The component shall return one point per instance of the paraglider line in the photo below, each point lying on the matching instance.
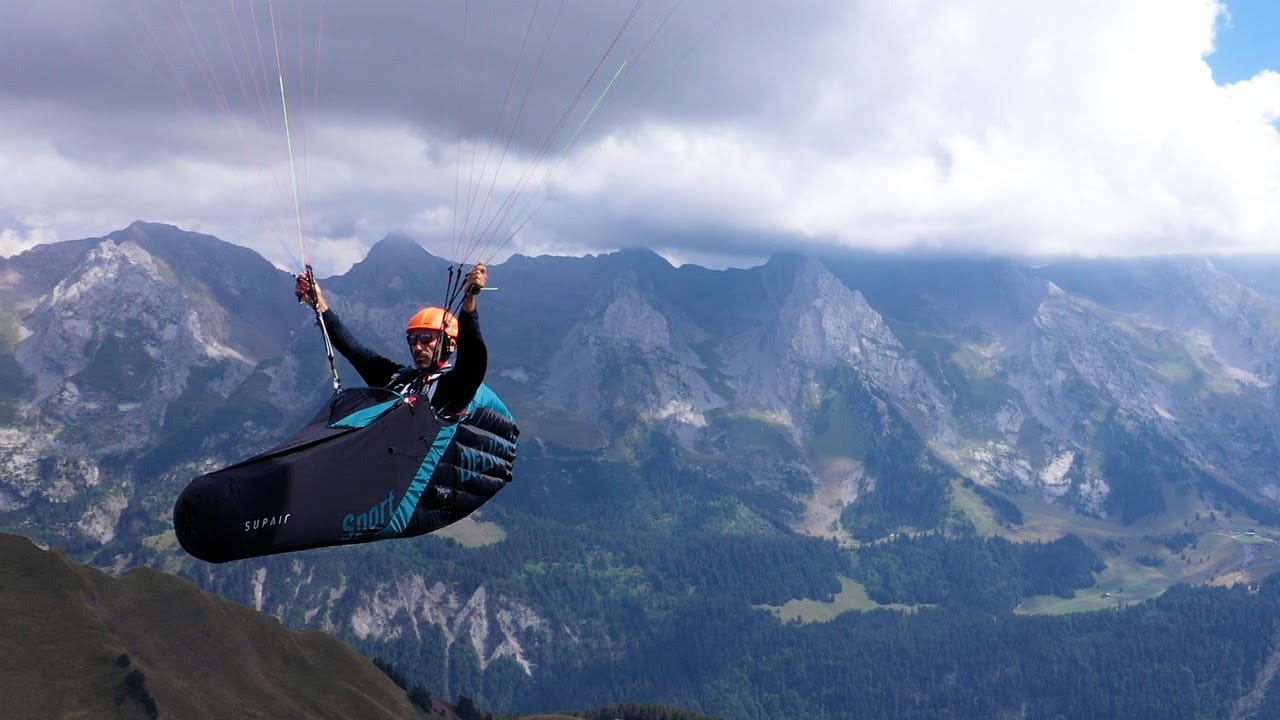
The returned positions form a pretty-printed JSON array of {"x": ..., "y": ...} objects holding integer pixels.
[{"x": 288, "y": 138}]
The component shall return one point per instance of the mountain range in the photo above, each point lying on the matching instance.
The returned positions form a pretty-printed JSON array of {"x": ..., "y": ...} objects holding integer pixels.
[{"x": 1090, "y": 432}]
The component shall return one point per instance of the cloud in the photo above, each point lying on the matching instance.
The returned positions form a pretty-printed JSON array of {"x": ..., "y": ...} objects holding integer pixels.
[
  {"x": 1090, "y": 128},
  {"x": 1029, "y": 128}
]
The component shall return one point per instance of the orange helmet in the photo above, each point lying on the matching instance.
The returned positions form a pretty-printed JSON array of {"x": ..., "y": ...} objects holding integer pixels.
[{"x": 432, "y": 318}]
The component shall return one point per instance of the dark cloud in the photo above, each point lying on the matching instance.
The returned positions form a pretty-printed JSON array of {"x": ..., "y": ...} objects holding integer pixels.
[{"x": 528, "y": 70}]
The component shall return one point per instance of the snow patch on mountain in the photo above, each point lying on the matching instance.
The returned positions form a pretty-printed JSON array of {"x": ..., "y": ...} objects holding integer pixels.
[
  {"x": 994, "y": 463},
  {"x": 1053, "y": 476}
]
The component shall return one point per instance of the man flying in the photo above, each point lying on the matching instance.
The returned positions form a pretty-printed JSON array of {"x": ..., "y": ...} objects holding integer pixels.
[{"x": 449, "y": 355}]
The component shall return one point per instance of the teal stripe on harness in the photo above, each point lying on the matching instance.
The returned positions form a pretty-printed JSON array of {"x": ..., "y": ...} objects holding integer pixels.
[
  {"x": 421, "y": 479},
  {"x": 403, "y": 513}
]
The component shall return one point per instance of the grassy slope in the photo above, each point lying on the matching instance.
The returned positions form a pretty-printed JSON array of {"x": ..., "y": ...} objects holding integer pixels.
[
  {"x": 471, "y": 533},
  {"x": 851, "y": 598},
  {"x": 1217, "y": 557},
  {"x": 66, "y": 627}
]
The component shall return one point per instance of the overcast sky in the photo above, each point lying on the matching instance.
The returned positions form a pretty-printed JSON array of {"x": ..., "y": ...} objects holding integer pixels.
[{"x": 713, "y": 131}]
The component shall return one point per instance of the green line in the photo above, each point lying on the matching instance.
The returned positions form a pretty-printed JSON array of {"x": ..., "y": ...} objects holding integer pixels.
[
  {"x": 288, "y": 136},
  {"x": 592, "y": 111}
]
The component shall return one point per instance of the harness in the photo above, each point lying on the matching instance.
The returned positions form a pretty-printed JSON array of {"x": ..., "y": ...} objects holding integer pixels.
[{"x": 412, "y": 384}]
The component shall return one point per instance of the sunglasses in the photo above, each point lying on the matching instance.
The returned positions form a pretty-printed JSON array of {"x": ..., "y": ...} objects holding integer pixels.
[{"x": 425, "y": 338}]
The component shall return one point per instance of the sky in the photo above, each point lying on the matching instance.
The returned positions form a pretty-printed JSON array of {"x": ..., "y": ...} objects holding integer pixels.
[{"x": 712, "y": 131}]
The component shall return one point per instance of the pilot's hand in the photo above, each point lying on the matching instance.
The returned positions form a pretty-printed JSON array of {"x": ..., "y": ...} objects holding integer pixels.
[
  {"x": 476, "y": 278},
  {"x": 307, "y": 290}
]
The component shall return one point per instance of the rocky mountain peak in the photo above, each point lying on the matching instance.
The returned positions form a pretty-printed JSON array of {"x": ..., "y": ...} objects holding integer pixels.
[
  {"x": 121, "y": 311},
  {"x": 821, "y": 324},
  {"x": 626, "y": 357}
]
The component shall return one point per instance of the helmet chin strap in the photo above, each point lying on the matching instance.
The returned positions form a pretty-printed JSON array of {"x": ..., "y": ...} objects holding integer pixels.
[{"x": 444, "y": 350}]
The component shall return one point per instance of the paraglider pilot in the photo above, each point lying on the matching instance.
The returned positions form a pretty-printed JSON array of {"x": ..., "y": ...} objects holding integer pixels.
[
  {"x": 372, "y": 464},
  {"x": 449, "y": 355}
]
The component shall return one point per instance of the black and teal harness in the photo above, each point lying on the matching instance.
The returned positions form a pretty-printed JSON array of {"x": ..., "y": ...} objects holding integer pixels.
[{"x": 372, "y": 465}]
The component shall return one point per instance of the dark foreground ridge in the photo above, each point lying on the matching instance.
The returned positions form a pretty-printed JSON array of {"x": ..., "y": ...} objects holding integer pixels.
[{"x": 80, "y": 643}]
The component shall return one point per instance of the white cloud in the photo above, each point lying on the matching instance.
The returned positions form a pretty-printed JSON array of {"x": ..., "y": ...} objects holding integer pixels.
[
  {"x": 1088, "y": 127},
  {"x": 1016, "y": 127}
]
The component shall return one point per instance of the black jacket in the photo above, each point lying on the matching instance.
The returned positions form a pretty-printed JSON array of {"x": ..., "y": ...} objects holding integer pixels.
[{"x": 450, "y": 391}]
